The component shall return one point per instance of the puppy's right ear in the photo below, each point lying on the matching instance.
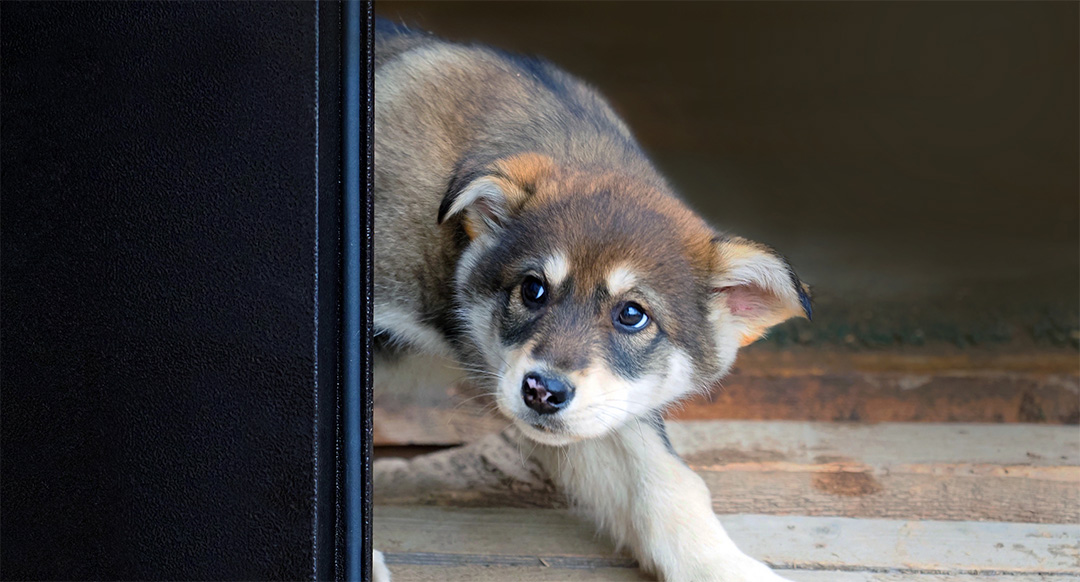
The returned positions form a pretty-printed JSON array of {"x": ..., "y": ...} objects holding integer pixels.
[{"x": 488, "y": 199}]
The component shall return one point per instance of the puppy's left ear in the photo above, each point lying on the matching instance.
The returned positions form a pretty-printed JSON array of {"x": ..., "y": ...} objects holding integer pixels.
[
  {"x": 489, "y": 198},
  {"x": 753, "y": 289}
]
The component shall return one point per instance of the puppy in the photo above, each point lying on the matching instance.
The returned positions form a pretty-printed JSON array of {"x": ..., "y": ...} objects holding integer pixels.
[{"x": 521, "y": 233}]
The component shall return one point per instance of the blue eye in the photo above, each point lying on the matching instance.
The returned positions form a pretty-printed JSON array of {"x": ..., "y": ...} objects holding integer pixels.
[
  {"x": 533, "y": 293},
  {"x": 631, "y": 318}
]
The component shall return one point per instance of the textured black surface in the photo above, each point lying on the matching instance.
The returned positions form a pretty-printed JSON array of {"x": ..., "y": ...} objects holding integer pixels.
[
  {"x": 367, "y": 316},
  {"x": 160, "y": 392}
]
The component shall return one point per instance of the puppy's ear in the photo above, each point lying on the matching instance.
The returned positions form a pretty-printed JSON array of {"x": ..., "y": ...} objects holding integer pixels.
[
  {"x": 487, "y": 199},
  {"x": 753, "y": 289}
]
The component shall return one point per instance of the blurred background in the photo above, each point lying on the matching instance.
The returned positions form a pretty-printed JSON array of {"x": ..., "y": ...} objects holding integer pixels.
[{"x": 918, "y": 163}]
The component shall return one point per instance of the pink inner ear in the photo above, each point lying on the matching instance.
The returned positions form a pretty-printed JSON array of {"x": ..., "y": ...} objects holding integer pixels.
[{"x": 744, "y": 300}]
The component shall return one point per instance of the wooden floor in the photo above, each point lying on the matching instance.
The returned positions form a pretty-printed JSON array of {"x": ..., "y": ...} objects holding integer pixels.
[{"x": 820, "y": 501}]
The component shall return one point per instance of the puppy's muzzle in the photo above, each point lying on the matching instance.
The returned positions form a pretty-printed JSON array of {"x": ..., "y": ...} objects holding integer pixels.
[{"x": 546, "y": 395}]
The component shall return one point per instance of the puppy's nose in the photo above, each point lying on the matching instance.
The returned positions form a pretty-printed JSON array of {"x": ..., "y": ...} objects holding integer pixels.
[{"x": 545, "y": 395}]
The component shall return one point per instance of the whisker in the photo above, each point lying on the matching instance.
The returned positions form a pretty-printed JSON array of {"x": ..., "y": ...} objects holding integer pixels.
[{"x": 471, "y": 398}]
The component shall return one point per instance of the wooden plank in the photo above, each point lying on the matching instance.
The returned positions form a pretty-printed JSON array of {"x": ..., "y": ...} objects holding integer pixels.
[
  {"x": 441, "y": 424},
  {"x": 1021, "y": 473},
  {"x": 522, "y": 538},
  {"x": 896, "y": 386},
  {"x": 931, "y": 547},
  {"x": 833, "y": 576},
  {"x": 486, "y": 573},
  {"x": 818, "y": 385},
  {"x": 491, "y": 532},
  {"x": 821, "y": 491},
  {"x": 880, "y": 444},
  {"x": 890, "y": 397}
]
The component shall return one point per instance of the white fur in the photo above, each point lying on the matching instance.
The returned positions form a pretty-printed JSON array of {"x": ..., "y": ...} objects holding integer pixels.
[
  {"x": 727, "y": 336},
  {"x": 602, "y": 401},
  {"x": 620, "y": 280},
  {"x": 556, "y": 268},
  {"x": 470, "y": 259},
  {"x": 405, "y": 326},
  {"x": 678, "y": 382},
  {"x": 743, "y": 264},
  {"x": 605, "y": 401},
  {"x": 646, "y": 499},
  {"x": 379, "y": 571},
  {"x": 489, "y": 193}
]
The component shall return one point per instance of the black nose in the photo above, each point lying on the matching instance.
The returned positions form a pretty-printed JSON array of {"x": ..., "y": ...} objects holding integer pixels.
[{"x": 545, "y": 395}]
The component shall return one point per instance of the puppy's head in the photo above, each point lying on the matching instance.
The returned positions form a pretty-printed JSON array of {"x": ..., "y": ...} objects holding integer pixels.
[{"x": 594, "y": 297}]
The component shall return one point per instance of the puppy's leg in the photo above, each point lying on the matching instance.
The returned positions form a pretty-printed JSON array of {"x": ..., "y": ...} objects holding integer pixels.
[
  {"x": 636, "y": 488},
  {"x": 379, "y": 572}
]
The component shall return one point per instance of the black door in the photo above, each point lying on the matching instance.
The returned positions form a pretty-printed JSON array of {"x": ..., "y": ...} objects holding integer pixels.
[{"x": 171, "y": 289}]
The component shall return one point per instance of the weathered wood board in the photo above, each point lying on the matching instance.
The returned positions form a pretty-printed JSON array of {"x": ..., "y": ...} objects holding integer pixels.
[
  {"x": 818, "y": 385},
  {"x": 471, "y": 541},
  {"x": 486, "y": 573},
  {"x": 1002, "y": 472}
]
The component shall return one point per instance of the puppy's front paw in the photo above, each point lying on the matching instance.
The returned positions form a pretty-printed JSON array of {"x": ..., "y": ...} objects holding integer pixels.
[
  {"x": 756, "y": 572},
  {"x": 743, "y": 569},
  {"x": 768, "y": 576},
  {"x": 379, "y": 572}
]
